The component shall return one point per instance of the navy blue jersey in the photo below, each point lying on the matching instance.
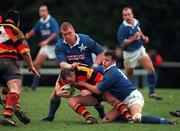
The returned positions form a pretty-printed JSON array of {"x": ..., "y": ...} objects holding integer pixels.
[
  {"x": 117, "y": 83},
  {"x": 46, "y": 28},
  {"x": 80, "y": 52},
  {"x": 125, "y": 31}
]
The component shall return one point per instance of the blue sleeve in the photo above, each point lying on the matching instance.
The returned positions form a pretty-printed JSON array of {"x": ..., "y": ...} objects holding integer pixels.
[
  {"x": 122, "y": 34},
  {"x": 94, "y": 46},
  {"x": 60, "y": 55},
  {"x": 36, "y": 27},
  {"x": 108, "y": 81},
  {"x": 54, "y": 26}
]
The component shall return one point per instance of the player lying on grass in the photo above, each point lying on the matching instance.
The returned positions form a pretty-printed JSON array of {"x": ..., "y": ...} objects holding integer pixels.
[
  {"x": 115, "y": 82},
  {"x": 87, "y": 74}
]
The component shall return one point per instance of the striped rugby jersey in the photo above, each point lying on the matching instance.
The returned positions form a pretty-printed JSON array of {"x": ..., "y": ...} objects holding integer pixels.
[{"x": 12, "y": 41}]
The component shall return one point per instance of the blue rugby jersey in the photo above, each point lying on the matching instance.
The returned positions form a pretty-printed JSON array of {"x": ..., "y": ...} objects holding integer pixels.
[
  {"x": 46, "y": 28},
  {"x": 115, "y": 81},
  {"x": 80, "y": 52},
  {"x": 125, "y": 31}
]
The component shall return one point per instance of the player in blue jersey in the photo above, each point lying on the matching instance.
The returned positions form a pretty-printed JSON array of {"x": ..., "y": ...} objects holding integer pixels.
[
  {"x": 119, "y": 85},
  {"x": 48, "y": 29},
  {"x": 73, "y": 48},
  {"x": 132, "y": 39}
]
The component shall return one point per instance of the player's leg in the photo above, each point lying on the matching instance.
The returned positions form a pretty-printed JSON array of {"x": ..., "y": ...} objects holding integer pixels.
[
  {"x": 118, "y": 105},
  {"x": 40, "y": 59},
  {"x": 111, "y": 116},
  {"x": 78, "y": 103},
  {"x": 146, "y": 62},
  {"x": 54, "y": 103},
  {"x": 4, "y": 96},
  {"x": 175, "y": 113},
  {"x": 99, "y": 107}
]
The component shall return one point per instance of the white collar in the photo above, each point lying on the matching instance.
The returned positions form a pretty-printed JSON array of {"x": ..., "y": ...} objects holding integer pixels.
[
  {"x": 76, "y": 43},
  {"x": 110, "y": 67},
  {"x": 127, "y": 24},
  {"x": 46, "y": 20}
]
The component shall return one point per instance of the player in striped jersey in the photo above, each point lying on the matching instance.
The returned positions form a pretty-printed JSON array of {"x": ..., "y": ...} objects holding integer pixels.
[
  {"x": 12, "y": 43},
  {"x": 89, "y": 75}
]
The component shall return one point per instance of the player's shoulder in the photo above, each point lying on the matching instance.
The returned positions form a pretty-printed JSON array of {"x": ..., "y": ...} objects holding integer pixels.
[
  {"x": 52, "y": 19},
  {"x": 12, "y": 29},
  {"x": 83, "y": 36}
]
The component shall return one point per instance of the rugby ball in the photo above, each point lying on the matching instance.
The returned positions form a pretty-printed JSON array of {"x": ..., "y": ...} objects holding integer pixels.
[{"x": 69, "y": 88}]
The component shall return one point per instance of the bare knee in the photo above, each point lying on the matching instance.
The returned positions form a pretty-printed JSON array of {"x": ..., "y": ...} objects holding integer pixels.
[
  {"x": 107, "y": 119},
  {"x": 72, "y": 101}
]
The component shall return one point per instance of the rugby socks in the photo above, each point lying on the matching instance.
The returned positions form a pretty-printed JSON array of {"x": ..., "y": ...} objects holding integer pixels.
[
  {"x": 154, "y": 120},
  {"x": 54, "y": 104},
  {"x": 122, "y": 108},
  {"x": 100, "y": 110},
  {"x": 35, "y": 82},
  {"x": 152, "y": 83},
  {"x": 81, "y": 110},
  {"x": 11, "y": 102},
  {"x": 4, "y": 94}
]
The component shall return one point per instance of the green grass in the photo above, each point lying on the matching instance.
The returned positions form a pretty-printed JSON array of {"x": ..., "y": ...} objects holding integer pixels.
[{"x": 36, "y": 105}]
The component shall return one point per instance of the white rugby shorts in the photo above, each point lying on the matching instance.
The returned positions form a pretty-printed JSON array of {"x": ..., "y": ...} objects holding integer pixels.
[
  {"x": 48, "y": 51},
  {"x": 131, "y": 59},
  {"x": 134, "y": 98}
]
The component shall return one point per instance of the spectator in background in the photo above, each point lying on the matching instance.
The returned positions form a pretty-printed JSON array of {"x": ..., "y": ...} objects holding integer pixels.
[
  {"x": 48, "y": 28},
  {"x": 156, "y": 60},
  {"x": 132, "y": 39},
  {"x": 119, "y": 57}
]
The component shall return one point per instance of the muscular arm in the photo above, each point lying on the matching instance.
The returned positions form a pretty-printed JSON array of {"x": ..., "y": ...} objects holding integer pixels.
[
  {"x": 27, "y": 58},
  {"x": 90, "y": 87},
  {"x": 99, "y": 59}
]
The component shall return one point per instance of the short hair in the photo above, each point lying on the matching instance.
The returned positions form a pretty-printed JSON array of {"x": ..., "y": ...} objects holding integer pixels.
[
  {"x": 110, "y": 53},
  {"x": 43, "y": 5},
  {"x": 66, "y": 25},
  {"x": 127, "y": 8},
  {"x": 64, "y": 73}
]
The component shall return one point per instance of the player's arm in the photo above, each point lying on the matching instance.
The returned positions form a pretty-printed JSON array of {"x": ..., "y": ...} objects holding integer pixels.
[
  {"x": 65, "y": 65},
  {"x": 30, "y": 34},
  {"x": 49, "y": 39},
  {"x": 97, "y": 49},
  {"x": 88, "y": 86}
]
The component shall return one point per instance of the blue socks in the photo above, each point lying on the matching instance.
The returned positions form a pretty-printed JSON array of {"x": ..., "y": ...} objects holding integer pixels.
[
  {"x": 152, "y": 83},
  {"x": 54, "y": 104},
  {"x": 100, "y": 110},
  {"x": 35, "y": 82},
  {"x": 153, "y": 120}
]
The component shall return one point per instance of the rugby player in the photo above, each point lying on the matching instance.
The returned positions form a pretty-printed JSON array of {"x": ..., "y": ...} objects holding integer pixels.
[{"x": 71, "y": 48}]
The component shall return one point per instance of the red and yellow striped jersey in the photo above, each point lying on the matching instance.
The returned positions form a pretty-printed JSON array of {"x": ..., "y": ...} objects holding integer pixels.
[
  {"x": 87, "y": 74},
  {"x": 12, "y": 41}
]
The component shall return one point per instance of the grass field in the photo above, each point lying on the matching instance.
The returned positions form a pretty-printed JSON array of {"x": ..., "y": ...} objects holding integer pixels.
[{"x": 36, "y": 103}]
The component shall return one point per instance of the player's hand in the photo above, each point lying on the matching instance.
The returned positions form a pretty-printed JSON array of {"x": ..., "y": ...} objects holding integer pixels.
[
  {"x": 137, "y": 35},
  {"x": 85, "y": 92},
  {"x": 146, "y": 39},
  {"x": 43, "y": 43},
  {"x": 63, "y": 93},
  {"x": 74, "y": 65},
  {"x": 27, "y": 36},
  {"x": 34, "y": 71}
]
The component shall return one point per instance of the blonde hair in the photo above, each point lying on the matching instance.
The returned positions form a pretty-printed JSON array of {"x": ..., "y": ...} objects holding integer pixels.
[{"x": 66, "y": 25}]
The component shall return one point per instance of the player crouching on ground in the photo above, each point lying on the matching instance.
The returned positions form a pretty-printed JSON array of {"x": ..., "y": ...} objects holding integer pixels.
[
  {"x": 12, "y": 42},
  {"x": 77, "y": 103},
  {"x": 115, "y": 81}
]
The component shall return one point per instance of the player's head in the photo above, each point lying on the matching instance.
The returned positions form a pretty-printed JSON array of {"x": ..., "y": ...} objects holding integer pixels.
[
  {"x": 109, "y": 59},
  {"x": 67, "y": 76},
  {"x": 127, "y": 14},
  {"x": 68, "y": 33},
  {"x": 12, "y": 16},
  {"x": 43, "y": 11}
]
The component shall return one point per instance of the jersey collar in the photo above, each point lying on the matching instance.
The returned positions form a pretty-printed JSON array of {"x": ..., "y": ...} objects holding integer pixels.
[
  {"x": 110, "y": 67},
  {"x": 46, "y": 20},
  {"x": 76, "y": 43},
  {"x": 127, "y": 24}
]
